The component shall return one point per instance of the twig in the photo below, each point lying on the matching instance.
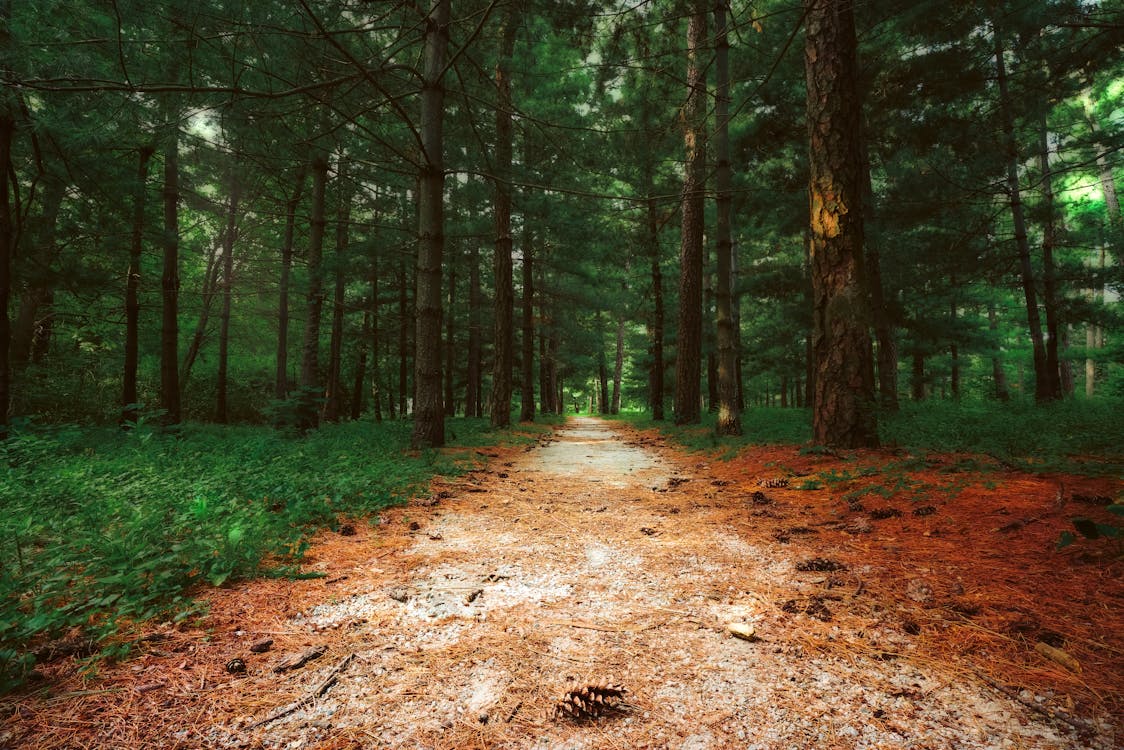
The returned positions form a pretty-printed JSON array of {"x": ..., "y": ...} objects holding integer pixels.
[
  {"x": 1082, "y": 725},
  {"x": 312, "y": 695}
]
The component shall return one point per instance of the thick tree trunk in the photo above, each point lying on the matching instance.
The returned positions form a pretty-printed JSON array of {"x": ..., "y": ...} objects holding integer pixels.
[
  {"x": 310, "y": 347},
  {"x": 843, "y": 405},
  {"x": 333, "y": 406},
  {"x": 527, "y": 396},
  {"x": 132, "y": 287},
  {"x": 222, "y": 415},
  {"x": 281, "y": 378},
  {"x": 689, "y": 347},
  {"x": 170, "y": 283},
  {"x": 1049, "y": 284},
  {"x": 429, "y": 411},
  {"x": 499, "y": 405},
  {"x": 1042, "y": 388},
  {"x": 729, "y": 417}
]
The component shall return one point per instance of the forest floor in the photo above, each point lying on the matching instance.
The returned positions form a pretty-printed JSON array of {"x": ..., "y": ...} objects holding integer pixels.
[{"x": 894, "y": 602}]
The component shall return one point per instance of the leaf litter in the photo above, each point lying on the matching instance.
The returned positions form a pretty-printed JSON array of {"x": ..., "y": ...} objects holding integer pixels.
[{"x": 459, "y": 623}]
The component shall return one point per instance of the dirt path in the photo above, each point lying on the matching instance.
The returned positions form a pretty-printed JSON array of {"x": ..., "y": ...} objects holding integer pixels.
[{"x": 459, "y": 621}]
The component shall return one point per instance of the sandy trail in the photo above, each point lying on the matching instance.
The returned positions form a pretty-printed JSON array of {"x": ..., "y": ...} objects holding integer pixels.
[{"x": 590, "y": 557}]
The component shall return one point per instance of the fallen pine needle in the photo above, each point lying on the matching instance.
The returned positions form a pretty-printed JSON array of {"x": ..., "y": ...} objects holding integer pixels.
[{"x": 312, "y": 695}]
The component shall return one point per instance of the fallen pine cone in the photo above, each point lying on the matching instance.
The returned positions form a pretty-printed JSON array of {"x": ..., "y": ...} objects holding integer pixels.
[{"x": 583, "y": 701}]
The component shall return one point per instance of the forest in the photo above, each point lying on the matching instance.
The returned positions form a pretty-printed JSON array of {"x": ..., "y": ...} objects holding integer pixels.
[{"x": 269, "y": 266}]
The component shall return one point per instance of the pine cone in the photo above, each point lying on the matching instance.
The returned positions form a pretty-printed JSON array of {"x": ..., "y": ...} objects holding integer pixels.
[{"x": 582, "y": 701}]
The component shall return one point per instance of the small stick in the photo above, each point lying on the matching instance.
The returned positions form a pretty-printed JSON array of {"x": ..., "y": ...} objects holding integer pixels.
[
  {"x": 1082, "y": 725},
  {"x": 312, "y": 695}
]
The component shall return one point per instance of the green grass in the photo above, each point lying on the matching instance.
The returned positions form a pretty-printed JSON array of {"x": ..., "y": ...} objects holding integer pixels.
[
  {"x": 101, "y": 529},
  {"x": 1085, "y": 436}
]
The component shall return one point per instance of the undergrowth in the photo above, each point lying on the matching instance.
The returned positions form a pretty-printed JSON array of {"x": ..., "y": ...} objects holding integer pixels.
[
  {"x": 1082, "y": 436},
  {"x": 103, "y": 529}
]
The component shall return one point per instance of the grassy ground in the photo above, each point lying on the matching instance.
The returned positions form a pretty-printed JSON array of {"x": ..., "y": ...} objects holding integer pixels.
[
  {"x": 1077, "y": 436},
  {"x": 101, "y": 529}
]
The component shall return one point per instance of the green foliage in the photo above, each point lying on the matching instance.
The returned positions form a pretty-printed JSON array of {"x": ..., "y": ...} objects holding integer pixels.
[
  {"x": 103, "y": 528},
  {"x": 1090, "y": 529}
]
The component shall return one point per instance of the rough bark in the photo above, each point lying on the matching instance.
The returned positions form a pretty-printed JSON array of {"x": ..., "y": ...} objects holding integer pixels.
[
  {"x": 843, "y": 404},
  {"x": 688, "y": 358},
  {"x": 170, "y": 282},
  {"x": 314, "y": 299},
  {"x": 429, "y": 410},
  {"x": 618, "y": 368},
  {"x": 281, "y": 378},
  {"x": 132, "y": 288},
  {"x": 404, "y": 322},
  {"x": 527, "y": 396},
  {"x": 7, "y": 229},
  {"x": 729, "y": 416},
  {"x": 1022, "y": 244},
  {"x": 221, "y": 408},
  {"x": 499, "y": 404}
]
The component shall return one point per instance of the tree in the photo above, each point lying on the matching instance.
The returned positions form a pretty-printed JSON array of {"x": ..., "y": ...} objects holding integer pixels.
[
  {"x": 843, "y": 406},
  {"x": 429, "y": 411},
  {"x": 688, "y": 355}
]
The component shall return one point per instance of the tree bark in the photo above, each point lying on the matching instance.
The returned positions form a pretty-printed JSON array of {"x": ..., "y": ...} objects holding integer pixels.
[
  {"x": 998, "y": 375},
  {"x": 132, "y": 287},
  {"x": 314, "y": 300},
  {"x": 31, "y": 332},
  {"x": 729, "y": 416},
  {"x": 404, "y": 322},
  {"x": 376, "y": 370},
  {"x": 281, "y": 379},
  {"x": 655, "y": 377},
  {"x": 527, "y": 397},
  {"x": 450, "y": 344},
  {"x": 618, "y": 368},
  {"x": 883, "y": 325},
  {"x": 207, "y": 293},
  {"x": 499, "y": 405},
  {"x": 221, "y": 408},
  {"x": 689, "y": 346},
  {"x": 7, "y": 226},
  {"x": 360, "y": 373},
  {"x": 429, "y": 411},
  {"x": 917, "y": 382},
  {"x": 1042, "y": 387},
  {"x": 170, "y": 282},
  {"x": 473, "y": 387},
  {"x": 843, "y": 406}
]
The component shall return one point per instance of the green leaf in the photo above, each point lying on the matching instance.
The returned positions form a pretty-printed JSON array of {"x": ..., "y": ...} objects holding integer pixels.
[
  {"x": 1065, "y": 539},
  {"x": 1108, "y": 531},
  {"x": 1116, "y": 508}
]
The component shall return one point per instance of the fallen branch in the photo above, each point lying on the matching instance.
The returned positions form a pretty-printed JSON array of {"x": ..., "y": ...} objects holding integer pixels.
[
  {"x": 1082, "y": 725},
  {"x": 310, "y": 696}
]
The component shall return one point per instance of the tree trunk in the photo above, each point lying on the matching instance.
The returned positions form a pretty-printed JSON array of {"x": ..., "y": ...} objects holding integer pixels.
[
  {"x": 376, "y": 370},
  {"x": 917, "y": 383},
  {"x": 281, "y": 379},
  {"x": 618, "y": 368},
  {"x": 527, "y": 397},
  {"x": 1093, "y": 333},
  {"x": 1065, "y": 364},
  {"x": 7, "y": 226},
  {"x": 221, "y": 409},
  {"x": 132, "y": 287},
  {"x": 1042, "y": 388},
  {"x": 499, "y": 405},
  {"x": 1115, "y": 227},
  {"x": 360, "y": 370},
  {"x": 689, "y": 346},
  {"x": 207, "y": 293},
  {"x": 404, "y": 322},
  {"x": 333, "y": 393},
  {"x": 31, "y": 332},
  {"x": 310, "y": 348},
  {"x": 655, "y": 378},
  {"x": 843, "y": 406},
  {"x": 473, "y": 387},
  {"x": 1049, "y": 291},
  {"x": 429, "y": 411},
  {"x": 170, "y": 282},
  {"x": 883, "y": 325},
  {"x": 729, "y": 417},
  {"x": 450, "y": 343},
  {"x": 998, "y": 375}
]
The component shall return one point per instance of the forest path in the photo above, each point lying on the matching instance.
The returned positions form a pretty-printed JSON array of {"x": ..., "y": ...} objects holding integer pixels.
[{"x": 600, "y": 554}]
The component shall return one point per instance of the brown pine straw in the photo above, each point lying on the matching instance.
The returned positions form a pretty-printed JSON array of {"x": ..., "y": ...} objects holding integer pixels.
[{"x": 987, "y": 597}]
